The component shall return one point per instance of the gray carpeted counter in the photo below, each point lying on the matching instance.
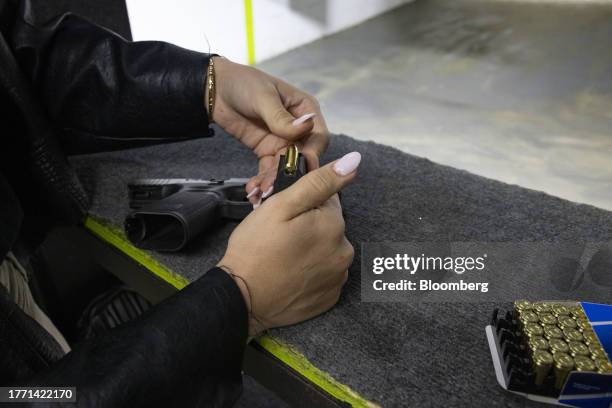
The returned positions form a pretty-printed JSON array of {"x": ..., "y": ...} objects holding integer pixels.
[{"x": 394, "y": 354}]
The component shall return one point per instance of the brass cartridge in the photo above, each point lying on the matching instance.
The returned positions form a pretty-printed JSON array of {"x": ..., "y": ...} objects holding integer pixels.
[
  {"x": 551, "y": 331},
  {"x": 572, "y": 335},
  {"x": 564, "y": 363},
  {"x": 537, "y": 343},
  {"x": 533, "y": 330},
  {"x": 547, "y": 318},
  {"x": 558, "y": 346},
  {"x": 583, "y": 324},
  {"x": 542, "y": 363},
  {"x": 291, "y": 164},
  {"x": 597, "y": 351},
  {"x": 590, "y": 337},
  {"x": 603, "y": 366},
  {"x": 566, "y": 322},
  {"x": 542, "y": 307},
  {"x": 584, "y": 364},
  {"x": 578, "y": 348},
  {"x": 560, "y": 310},
  {"x": 528, "y": 317},
  {"x": 578, "y": 313},
  {"x": 522, "y": 305}
]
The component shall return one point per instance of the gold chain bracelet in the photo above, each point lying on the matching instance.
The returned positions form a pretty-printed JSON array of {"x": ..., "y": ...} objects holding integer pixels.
[{"x": 211, "y": 88}]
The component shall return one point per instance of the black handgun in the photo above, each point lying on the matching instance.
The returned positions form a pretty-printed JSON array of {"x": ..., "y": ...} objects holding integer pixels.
[{"x": 168, "y": 213}]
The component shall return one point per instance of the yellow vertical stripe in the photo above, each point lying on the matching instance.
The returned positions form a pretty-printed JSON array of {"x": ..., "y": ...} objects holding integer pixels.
[{"x": 248, "y": 17}]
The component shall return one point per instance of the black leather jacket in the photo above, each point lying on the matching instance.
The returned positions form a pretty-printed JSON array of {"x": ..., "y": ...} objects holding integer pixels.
[{"x": 71, "y": 86}]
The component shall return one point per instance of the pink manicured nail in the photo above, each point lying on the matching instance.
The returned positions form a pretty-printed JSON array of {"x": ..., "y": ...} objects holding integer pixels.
[
  {"x": 257, "y": 204},
  {"x": 253, "y": 192},
  {"x": 267, "y": 192},
  {"x": 347, "y": 164},
  {"x": 303, "y": 119}
]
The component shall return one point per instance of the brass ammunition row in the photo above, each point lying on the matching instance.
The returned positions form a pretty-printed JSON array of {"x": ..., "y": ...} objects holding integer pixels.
[
  {"x": 560, "y": 339},
  {"x": 540, "y": 343}
]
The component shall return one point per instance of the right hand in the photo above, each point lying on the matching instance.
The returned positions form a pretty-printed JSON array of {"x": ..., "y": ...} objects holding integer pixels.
[
  {"x": 267, "y": 114},
  {"x": 290, "y": 257}
]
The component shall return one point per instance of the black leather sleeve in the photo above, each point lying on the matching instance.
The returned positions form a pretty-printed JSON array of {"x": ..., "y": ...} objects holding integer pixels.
[
  {"x": 103, "y": 92},
  {"x": 187, "y": 351}
]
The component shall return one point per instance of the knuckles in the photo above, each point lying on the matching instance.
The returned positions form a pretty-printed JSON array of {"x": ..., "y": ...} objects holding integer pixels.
[
  {"x": 314, "y": 101},
  {"x": 320, "y": 181}
]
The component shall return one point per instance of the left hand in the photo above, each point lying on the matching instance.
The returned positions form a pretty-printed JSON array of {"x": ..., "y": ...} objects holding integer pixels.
[{"x": 267, "y": 114}]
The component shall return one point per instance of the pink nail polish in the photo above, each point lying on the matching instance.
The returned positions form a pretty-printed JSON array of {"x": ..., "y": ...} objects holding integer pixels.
[
  {"x": 267, "y": 192},
  {"x": 253, "y": 192},
  {"x": 257, "y": 204},
  {"x": 303, "y": 119},
  {"x": 347, "y": 164}
]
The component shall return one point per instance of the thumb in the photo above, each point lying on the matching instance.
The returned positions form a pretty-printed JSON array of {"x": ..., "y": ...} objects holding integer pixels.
[
  {"x": 318, "y": 186},
  {"x": 280, "y": 121}
]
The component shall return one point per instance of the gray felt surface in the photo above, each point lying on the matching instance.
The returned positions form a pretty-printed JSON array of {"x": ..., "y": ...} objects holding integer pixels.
[{"x": 396, "y": 354}]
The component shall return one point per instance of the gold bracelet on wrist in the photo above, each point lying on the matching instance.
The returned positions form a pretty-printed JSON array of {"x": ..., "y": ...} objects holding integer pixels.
[{"x": 210, "y": 83}]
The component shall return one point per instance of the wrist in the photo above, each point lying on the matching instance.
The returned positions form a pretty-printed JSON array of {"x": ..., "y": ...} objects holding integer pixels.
[
  {"x": 254, "y": 325},
  {"x": 240, "y": 282},
  {"x": 216, "y": 64}
]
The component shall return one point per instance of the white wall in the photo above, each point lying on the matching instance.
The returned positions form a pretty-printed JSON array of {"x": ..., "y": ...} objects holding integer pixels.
[{"x": 278, "y": 25}]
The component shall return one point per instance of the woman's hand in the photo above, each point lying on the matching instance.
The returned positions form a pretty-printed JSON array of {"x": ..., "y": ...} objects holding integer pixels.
[
  {"x": 267, "y": 114},
  {"x": 290, "y": 258}
]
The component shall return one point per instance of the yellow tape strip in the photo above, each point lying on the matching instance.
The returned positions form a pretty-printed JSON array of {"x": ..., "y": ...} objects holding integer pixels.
[
  {"x": 285, "y": 353},
  {"x": 248, "y": 17},
  {"x": 296, "y": 360},
  {"x": 116, "y": 237}
]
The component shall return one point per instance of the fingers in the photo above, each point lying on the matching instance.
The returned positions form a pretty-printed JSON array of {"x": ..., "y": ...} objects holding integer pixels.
[
  {"x": 312, "y": 159},
  {"x": 280, "y": 121},
  {"x": 317, "y": 186},
  {"x": 317, "y": 142},
  {"x": 261, "y": 186},
  {"x": 253, "y": 190},
  {"x": 268, "y": 167},
  {"x": 300, "y": 104}
]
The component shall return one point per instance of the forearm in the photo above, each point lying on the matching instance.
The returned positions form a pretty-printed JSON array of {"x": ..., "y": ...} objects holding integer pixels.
[
  {"x": 188, "y": 348},
  {"x": 104, "y": 92}
]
